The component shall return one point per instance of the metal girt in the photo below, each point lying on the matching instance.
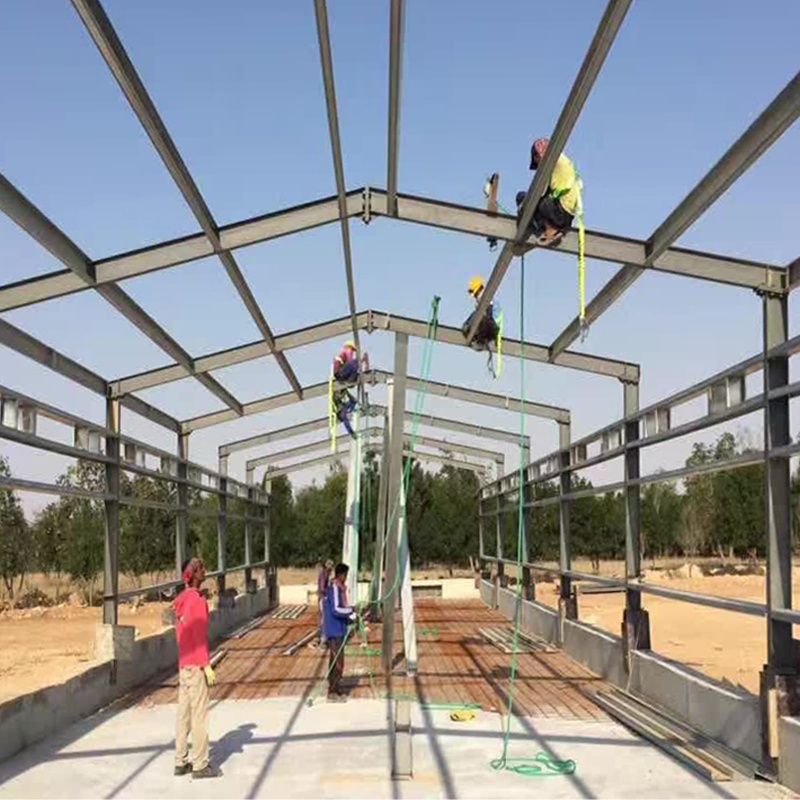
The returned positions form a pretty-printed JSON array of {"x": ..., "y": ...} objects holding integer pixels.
[
  {"x": 303, "y": 449},
  {"x": 180, "y": 251},
  {"x": 766, "y": 130},
  {"x": 326, "y": 60},
  {"x": 590, "y": 69},
  {"x": 108, "y": 43},
  {"x": 602, "y": 246},
  {"x": 38, "y": 226},
  {"x": 624, "y": 370},
  {"x": 794, "y": 273},
  {"x": 467, "y": 395},
  {"x": 396, "y": 32}
]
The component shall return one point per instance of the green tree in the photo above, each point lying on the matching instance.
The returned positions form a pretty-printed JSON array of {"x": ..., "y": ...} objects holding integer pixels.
[
  {"x": 15, "y": 536},
  {"x": 661, "y": 519}
]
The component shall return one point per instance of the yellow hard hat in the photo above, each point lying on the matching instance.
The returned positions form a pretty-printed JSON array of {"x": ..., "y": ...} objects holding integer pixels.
[
  {"x": 350, "y": 344},
  {"x": 475, "y": 286}
]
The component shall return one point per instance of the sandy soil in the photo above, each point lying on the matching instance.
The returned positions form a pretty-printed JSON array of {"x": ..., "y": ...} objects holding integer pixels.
[{"x": 42, "y": 646}]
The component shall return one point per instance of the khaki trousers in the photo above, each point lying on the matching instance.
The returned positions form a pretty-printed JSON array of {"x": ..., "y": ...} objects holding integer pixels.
[{"x": 192, "y": 718}]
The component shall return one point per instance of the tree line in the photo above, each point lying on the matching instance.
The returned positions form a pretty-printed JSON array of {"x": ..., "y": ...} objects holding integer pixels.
[{"x": 715, "y": 513}]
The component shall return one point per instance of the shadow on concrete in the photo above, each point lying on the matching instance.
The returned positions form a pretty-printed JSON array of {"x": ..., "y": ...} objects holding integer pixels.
[{"x": 232, "y": 742}]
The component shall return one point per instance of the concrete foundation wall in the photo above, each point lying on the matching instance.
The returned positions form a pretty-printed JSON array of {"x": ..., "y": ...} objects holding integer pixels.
[
  {"x": 31, "y": 717},
  {"x": 789, "y": 759},
  {"x": 487, "y": 593},
  {"x": 727, "y": 714}
]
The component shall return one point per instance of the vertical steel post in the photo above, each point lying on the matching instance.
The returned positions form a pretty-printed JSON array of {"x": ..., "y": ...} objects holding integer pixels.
[
  {"x": 111, "y": 541},
  {"x": 635, "y": 621},
  {"x": 248, "y": 534},
  {"x": 182, "y": 515},
  {"x": 269, "y": 571},
  {"x": 567, "y": 602},
  {"x": 780, "y": 685},
  {"x": 380, "y": 527},
  {"x": 350, "y": 554},
  {"x": 222, "y": 524},
  {"x": 396, "y": 404},
  {"x": 528, "y": 584},
  {"x": 500, "y": 575}
]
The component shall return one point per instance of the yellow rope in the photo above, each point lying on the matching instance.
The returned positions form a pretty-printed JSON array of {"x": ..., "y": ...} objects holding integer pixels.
[
  {"x": 581, "y": 259},
  {"x": 499, "y": 345},
  {"x": 332, "y": 421}
]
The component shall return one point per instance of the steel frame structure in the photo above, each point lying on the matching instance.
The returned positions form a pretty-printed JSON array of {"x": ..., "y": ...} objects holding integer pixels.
[{"x": 624, "y": 439}]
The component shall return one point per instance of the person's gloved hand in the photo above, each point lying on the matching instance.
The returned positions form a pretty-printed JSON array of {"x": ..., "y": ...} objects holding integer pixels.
[
  {"x": 211, "y": 677},
  {"x": 520, "y": 199}
]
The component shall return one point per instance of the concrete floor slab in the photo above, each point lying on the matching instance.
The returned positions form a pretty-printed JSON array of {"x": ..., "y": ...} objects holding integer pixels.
[{"x": 280, "y": 747}]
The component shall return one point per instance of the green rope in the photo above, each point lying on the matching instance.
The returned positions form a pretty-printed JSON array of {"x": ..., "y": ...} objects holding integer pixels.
[{"x": 540, "y": 765}]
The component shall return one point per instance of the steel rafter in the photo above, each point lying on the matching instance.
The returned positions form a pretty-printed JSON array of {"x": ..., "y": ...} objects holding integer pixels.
[
  {"x": 23, "y": 343},
  {"x": 326, "y": 60},
  {"x": 111, "y": 49},
  {"x": 769, "y": 126},
  {"x": 601, "y": 43},
  {"x": 461, "y": 393},
  {"x": 371, "y": 432},
  {"x": 426, "y": 420},
  {"x": 28, "y": 217},
  {"x": 369, "y": 321},
  {"x": 396, "y": 32}
]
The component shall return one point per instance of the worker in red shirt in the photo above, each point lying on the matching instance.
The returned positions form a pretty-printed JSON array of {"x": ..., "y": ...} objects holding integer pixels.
[{"x": 195, "y": 675}]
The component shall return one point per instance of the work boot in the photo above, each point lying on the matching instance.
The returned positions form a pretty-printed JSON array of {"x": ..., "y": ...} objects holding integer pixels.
[
  {"x": 183, "y": 769},
  {"x": 337, "y": 697},
  {"x": 209, "y": 771}
]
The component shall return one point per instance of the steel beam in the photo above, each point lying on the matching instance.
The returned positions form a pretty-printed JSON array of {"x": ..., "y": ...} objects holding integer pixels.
[
  {"x": 601, "y": 43},
  {"x": 369, "y": 321},
  {"x": 379, "y": 376},
  {"x": 112, "y": 526},
  {"x": 375, "y": 410},
  {"x": 396, "y": 32},
  {"x": 753, "y": 143},
  {"x": 326, "y": 60},
  {"x": 23, "y": 343},
  {"x": 180, "y": 251},
  {"x": 601, "y": 246},
  {"x": 781, "y": 654},
  {"x": 39, "y": 227},
  {"x": 467, "y": 395},
  {"x": 111, "y": 49}
]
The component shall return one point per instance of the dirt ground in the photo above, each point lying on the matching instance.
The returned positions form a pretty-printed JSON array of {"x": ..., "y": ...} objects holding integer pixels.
[{"x": 43, "y": 646}]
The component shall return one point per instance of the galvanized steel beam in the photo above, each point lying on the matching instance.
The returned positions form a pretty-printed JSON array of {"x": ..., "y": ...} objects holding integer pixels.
[
  {"x": 326, "y": 60},
  {"x": 396, "y": 31},
  {"x": 767, "y": 129},
  {"x": 111, "y": 49},
  {"x": 590, "y": 69}
]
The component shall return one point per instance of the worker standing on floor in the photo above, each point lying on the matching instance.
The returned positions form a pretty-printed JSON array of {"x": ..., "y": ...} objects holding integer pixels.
[
  {"x": 338, "y": 615},
  {"x": 323, "y": 583},
  {"x": 195, "y": 675},
  {"x": 557, "y": 207}
]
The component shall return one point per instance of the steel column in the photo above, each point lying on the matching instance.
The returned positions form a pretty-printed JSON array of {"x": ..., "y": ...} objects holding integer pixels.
[
  {"x": 781, "y": 653},
  {"x": 350, "y": 540},
  {"x": 111, "y": 541},
  {"x": 222, "y": 525},
  {"x": 396, "y": 31},
  {"x": 181, "y": 516},
  {"x": 395, "y": 522},
  {"x": 380, "y": 526},
  {"x": 248, "y": 534},
  {"x": 566, "y": 604},
  {"x": 635, "y": 623}
]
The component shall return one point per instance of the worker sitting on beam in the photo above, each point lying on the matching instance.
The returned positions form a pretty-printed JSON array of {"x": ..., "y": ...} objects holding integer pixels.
[
  {"x": 558, "y": 205},
  {"x": 490, "y": 328}
]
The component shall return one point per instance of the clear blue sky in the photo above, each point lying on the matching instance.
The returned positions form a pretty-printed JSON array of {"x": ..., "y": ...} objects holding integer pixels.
[{"x": 239, "y": 88}]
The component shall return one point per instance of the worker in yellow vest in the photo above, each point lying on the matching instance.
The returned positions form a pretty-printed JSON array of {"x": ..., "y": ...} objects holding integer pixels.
[{"x": 559, "y": 204}]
